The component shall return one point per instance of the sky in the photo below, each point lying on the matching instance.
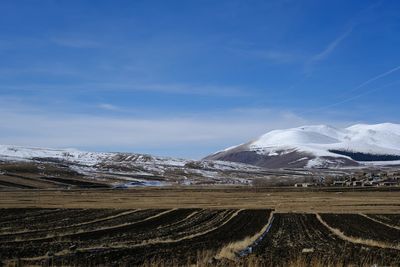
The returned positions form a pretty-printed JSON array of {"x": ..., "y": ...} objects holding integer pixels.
[{"x": 188, "y": 78}]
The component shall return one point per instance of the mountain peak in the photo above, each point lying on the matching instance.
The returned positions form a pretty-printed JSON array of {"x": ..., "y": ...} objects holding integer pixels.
[{"x": 320, "y": 146}]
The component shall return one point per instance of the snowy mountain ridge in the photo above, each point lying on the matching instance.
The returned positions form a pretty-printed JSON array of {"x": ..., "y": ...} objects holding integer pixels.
[
  {"x": 130, "y": 169},
  {"x": 12, "y": 152},
  {"x": 300, "y": 147},
  {"x": 373, "y": 139},
  {"x": 318, "y": 145}
]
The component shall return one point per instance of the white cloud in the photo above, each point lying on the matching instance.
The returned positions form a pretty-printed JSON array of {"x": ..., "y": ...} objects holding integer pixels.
[
  {"x": 108, "y": 107},
  {"x": 203, "y": 132}
]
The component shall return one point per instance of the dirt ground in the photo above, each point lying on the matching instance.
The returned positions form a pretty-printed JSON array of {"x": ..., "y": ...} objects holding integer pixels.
[{"x": 329, "y": 200}]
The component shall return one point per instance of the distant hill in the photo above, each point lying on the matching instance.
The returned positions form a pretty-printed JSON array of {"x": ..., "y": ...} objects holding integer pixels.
[{"x": 30, "y": 167}]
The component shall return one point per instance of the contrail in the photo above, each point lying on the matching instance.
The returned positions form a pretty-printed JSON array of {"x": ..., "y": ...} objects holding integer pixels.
[
  {"x": 376, "y": 78},
  {"x": 361, "y": 85},
  {"x": 350, "y": 98},
  {"x": 357, "y": 88}
]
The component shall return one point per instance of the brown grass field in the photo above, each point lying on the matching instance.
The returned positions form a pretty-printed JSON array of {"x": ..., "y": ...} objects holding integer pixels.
[{"x": 328, "y": 200}]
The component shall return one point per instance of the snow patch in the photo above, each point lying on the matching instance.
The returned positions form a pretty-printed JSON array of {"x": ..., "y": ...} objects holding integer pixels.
[{"x": 142, "y": 183}]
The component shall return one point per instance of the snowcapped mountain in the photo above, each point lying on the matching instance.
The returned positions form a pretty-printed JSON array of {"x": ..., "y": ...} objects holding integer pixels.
[
  {"x": 303, "y": 147},
  {"x": 119, "y": 169},
  {"x": 319, "y": 146},
  {"x": 9, "y": 152},
  {"x": 83, "y": 158}
]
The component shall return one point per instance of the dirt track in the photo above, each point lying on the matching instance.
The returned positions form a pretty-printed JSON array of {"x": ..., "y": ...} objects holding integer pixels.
[{"x": 281, "y": 200}]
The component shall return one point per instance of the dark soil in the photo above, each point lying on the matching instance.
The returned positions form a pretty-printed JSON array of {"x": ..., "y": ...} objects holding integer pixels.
[
  {"x": 355, "y": 225},
  {"x": 79, "y": 237},
  {"x": 294, "y": 236},
  {"x": 391, "y": 219}
]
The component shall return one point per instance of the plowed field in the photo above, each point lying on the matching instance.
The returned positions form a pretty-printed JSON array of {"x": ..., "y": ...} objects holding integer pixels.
[{"x": 181, "y": 237}]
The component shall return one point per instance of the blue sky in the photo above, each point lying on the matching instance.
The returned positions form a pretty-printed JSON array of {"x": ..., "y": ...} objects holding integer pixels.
[{"x": 187, "y": 78}]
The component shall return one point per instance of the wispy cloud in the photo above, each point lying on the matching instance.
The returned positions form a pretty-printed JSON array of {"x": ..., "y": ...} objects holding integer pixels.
[
  {"x": 75, "y": 42},
  {"x": 275, "y": 56},
  {"x": 219, "y": 90},
  {"x": 198, "y": 133},
  {"x": 166, "y": 88},
  {"x": 330, "y": 47},
  {"x": 270, "y": 55},
  {"x": 327, "y": 51},
  {"x": 109, "y": 107},
  {"x": 53, "y": 70}
]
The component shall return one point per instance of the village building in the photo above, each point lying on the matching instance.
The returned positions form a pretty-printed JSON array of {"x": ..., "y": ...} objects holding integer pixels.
[
  {"x": 339, "y": 183},
  {"x": 305, "y": 185},
  {"x": 357, "y": 183}
]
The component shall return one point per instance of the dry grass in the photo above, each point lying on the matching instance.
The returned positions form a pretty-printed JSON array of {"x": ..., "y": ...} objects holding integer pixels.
[
  {"x": 230, "y": 250},
  {"x": 297, "y": 262},
  {"x": 219, "y": 198},
  {"x": 205, "y": 259},
  {"x": 302, "y": 262}
]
